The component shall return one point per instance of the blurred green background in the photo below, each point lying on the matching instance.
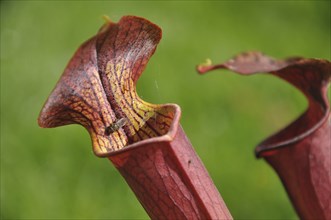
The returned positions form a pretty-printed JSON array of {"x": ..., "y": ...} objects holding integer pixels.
[{"x": 53, "y": 174}]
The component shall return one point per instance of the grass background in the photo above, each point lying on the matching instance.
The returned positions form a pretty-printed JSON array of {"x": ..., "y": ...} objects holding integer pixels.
[{"x": 53, "y": 174}]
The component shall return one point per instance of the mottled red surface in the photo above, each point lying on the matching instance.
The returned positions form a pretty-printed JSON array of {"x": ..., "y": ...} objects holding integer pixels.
[
  {"x": 170, "y": 180},
  {"x": 148, "y": 146},
  {"x": 301, "y": 152}
]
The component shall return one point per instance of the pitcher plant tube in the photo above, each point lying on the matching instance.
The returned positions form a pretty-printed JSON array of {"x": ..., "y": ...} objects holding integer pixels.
[
  {"x": 144, "y": 141},
  {"x": 301, "y": 152}
]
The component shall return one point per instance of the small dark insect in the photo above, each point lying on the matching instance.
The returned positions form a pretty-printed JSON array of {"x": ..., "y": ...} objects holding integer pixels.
[{"x": 116, "y": 126}]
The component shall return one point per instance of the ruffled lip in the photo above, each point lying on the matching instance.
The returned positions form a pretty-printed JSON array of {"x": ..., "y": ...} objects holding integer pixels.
[
  {"x": 98, "y": 90},
  {"x": 310, "y": 76}
]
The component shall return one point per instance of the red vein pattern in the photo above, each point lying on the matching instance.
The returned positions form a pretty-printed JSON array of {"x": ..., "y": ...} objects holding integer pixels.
[
  {"x": 144, "y": 141},
  {"x": 301, "y": 152},
  {"x": 98, "y": 87},
  {"x": 170, "y": 180}
]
